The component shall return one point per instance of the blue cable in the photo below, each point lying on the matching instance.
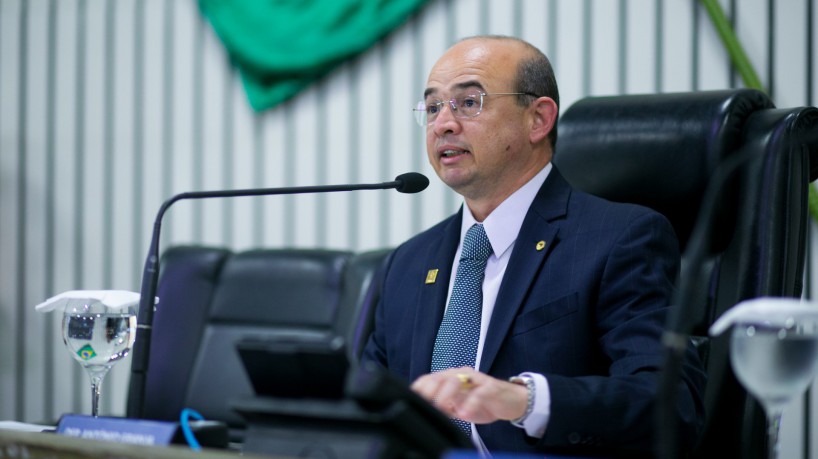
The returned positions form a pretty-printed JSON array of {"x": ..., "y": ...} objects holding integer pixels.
[{"x": 188, "y": 413}]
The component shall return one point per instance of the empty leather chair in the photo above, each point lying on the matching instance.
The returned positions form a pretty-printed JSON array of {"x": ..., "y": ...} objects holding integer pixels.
[{"x": 212, "y": 298}]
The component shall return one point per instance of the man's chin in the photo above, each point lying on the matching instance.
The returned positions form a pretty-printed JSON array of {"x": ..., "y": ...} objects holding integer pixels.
[{"x": 461, "y": 184}]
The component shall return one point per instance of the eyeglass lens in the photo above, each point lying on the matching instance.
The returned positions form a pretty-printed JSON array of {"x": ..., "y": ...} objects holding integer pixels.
[{"x": 466, "y": 105}]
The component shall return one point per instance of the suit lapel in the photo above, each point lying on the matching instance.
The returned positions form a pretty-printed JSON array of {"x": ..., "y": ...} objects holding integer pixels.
[
  {"x": 432, "y": 298},
  {"x": 538, "y": 235}
]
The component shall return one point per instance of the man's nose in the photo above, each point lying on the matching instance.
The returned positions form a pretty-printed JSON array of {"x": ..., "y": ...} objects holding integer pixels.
[{"x": 445, "y": 116}]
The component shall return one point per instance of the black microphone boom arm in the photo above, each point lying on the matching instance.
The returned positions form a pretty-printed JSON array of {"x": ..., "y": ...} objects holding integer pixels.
[{"x": 410, "y": 182}]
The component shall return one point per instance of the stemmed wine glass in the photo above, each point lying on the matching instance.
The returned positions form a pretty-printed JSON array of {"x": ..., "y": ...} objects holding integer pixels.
[
  {"x": 775, "y": 361},
  {"x": 97, "y": 336}
]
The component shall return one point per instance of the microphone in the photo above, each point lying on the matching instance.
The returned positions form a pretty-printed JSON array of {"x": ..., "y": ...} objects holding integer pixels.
[{"x": 410, "y": 182}]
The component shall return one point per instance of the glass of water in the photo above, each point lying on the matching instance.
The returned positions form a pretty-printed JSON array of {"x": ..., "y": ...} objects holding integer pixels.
[
  {"x": 98, "y": 336},
  {"x": 775, "y": 362}
]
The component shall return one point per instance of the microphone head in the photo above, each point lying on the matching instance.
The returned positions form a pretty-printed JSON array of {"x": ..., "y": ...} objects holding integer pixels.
[{"x": 411, "y": 182}]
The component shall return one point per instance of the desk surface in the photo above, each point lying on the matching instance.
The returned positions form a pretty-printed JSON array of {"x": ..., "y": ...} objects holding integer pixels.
[
  {"x": 37, "y": 445},
  {"x": 40, "y": 445}
]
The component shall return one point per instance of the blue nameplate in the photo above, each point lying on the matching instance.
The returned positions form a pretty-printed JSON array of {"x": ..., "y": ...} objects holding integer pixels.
[{"x": 120, "y": 430}]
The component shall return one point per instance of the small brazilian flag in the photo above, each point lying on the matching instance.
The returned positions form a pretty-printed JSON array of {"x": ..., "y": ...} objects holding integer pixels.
[{"x": 86, "y": 352}]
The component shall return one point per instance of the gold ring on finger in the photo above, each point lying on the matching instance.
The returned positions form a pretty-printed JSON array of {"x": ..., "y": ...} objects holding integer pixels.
[{"x": 466, "y": 382}]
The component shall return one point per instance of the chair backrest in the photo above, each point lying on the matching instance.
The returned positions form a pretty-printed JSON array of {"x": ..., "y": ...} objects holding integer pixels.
[
  {"x": 663, "y": 151},
  {"x": 213, "y": 298},
  {"x": 360, "y": 294}
]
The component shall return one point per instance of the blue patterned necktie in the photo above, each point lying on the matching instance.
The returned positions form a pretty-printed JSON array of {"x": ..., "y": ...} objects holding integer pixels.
[{"x": 459, "y": 332}]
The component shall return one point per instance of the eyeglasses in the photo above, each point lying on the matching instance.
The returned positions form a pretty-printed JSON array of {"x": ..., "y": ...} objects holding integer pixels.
[{"x": 464, "y": 106}]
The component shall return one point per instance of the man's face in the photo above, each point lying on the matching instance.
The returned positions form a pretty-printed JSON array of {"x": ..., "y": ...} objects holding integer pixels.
[{"x": 485, "y": 156}]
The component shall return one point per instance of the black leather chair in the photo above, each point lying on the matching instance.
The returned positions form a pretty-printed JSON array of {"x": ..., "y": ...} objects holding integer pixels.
[
  {"x": 213, "y": 298},
  {"x": 360, "y": 293},
  {"x": 745, "y": 238}
]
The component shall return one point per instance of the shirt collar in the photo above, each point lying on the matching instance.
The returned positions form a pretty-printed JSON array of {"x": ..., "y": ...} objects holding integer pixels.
[{"x": 503, "y": 224}]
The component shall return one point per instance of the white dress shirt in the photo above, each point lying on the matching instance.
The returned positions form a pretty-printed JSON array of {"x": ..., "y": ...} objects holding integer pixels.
[{"x": 502, "y": 227}]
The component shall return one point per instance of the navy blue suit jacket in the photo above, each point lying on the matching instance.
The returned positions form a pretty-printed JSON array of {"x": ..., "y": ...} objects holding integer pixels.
[{"x": 587, "y": 311}]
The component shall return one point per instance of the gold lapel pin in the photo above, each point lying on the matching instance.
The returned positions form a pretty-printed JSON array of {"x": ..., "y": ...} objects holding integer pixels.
[
  {"x": 540, "y": 245},
  {"x": 431, "y": 276}
]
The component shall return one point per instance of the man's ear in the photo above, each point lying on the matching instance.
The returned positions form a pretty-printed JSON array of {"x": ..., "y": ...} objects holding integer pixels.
[{"x": 544, "y": 117}]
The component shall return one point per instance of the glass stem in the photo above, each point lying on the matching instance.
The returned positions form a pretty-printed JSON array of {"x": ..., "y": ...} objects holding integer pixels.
[
  {"x": 773, "y": 425},
  {"x": 96, "y": 385}
]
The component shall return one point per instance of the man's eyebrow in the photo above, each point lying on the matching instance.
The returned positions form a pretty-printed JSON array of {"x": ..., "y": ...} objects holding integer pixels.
[
  {"x": 459, "y": 86},
  {"x": 470, "y": 84}
]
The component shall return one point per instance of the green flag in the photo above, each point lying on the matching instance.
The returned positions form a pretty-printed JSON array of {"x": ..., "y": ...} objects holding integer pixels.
[{"x": 281, "y": 46}]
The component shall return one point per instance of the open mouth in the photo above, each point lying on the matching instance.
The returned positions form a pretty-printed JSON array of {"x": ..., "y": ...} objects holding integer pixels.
[{"x": 453, "y": 153}]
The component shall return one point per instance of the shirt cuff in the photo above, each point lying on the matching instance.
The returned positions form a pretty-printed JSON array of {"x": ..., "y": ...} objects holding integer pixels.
[{"x": 536, "y": 422}]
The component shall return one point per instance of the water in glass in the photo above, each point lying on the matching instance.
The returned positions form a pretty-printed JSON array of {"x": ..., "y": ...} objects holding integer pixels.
[
  {"x": 775, "y": 364},
  {"x": 97, "y": 337}
]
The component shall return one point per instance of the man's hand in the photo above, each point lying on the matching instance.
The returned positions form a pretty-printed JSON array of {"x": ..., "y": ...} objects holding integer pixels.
[{"x": 472, "y": 396}]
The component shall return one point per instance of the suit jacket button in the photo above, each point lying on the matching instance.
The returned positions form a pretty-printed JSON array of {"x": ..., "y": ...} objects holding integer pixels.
[{"x": 574, "y": 438}]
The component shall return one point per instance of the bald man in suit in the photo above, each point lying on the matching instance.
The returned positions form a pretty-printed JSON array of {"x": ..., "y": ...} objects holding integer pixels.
[{"x": 575, "y": 290}]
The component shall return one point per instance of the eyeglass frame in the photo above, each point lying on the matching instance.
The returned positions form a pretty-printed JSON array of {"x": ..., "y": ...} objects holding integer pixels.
[{"x": 455, "y": 112}]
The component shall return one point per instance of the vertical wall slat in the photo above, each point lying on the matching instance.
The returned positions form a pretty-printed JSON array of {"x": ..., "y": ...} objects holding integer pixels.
[
  {"x": 259, "y": 226},
  {"x": 50, "y": 340},
  {"x": 385, "y": 99},
  {"x": 109, "y": 76},
  {"x": 35, "y": 158},
  {"x": 168, "y": 105},
  {"x": 64, "y": 216},
  {"x": 553, "y": 33},
  {"x": 809, "y": 52},
  {"x": 197, "y": 162},
  {"x": 517, "y": 16},
  {"x": 214, "y": 211},
  {"x": 354, "y": 149},
  {"x": 623, "y": 46},
  {"x": 587, "y": 45},
  {"x": 603, "y": 61},
  {"x": 19, "y": 252},
  {"x": 323, "y": 149},
  {"x": 733, "y": 18},
  {"x": 658, "y": 46},
  {"x": 484, "y": 24},
  {"x": 107, "y": 200},
  {"x": 80, "y": 185},
  {"x": 367, "y": 158},
  {"x": 244, "y": 171},
  {"x": 771, "y": 48},
  {"x": 417, "y": 143},
  {"x": 694, "y": 58},
  {"x": 10, "y": 18},
  {"x": 288, "y": 166},
  {"x": 228, "y": 154},
  {"x": 138, "y": 138}
]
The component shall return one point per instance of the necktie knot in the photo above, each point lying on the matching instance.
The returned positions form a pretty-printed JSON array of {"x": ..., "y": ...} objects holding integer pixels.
[{"x": 476, "y": 245}]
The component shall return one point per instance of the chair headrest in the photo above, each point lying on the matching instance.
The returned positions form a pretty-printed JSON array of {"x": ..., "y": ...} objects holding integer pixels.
[{"x": 657, "y": 150}]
